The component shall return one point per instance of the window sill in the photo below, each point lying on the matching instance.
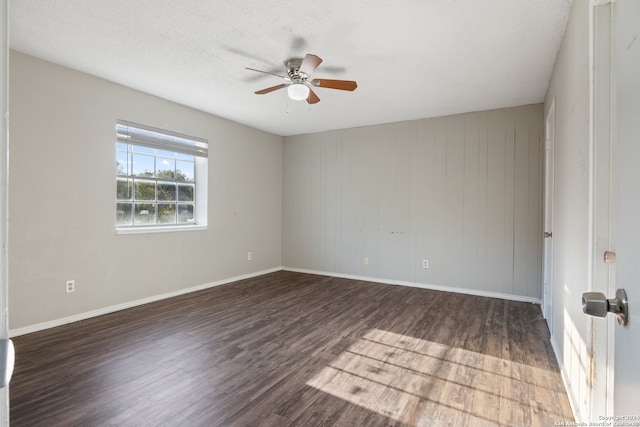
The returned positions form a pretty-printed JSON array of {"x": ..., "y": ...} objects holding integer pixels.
[{"x": 167, "y": 229}]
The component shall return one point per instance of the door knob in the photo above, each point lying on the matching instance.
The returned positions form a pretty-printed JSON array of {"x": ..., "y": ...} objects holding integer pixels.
[
  {"x": 7, "y": 357},
  {"x": 596, "y": 304}
]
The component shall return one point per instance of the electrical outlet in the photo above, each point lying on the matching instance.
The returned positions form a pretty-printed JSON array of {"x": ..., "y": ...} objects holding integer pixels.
[
  {"x": 366, "y": 260},
  {"x": 425, "y": 263},
  {"x": 70, "y": 286},
  {"x": 249, "y": 256}
]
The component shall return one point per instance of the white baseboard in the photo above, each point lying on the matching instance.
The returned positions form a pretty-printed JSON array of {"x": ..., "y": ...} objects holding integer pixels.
[
  {"x": 106, "y": 310},
  {"x": 475, "y": 292}
]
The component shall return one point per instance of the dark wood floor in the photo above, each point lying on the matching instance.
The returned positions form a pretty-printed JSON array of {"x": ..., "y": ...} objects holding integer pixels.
[{"x": 295, "y": 349}]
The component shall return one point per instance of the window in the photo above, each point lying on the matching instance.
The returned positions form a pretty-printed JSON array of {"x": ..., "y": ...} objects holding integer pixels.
[{"x": 160, "y": 178}]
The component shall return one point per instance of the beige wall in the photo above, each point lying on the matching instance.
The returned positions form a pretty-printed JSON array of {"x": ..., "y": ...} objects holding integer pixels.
[
  {"x": 463, "y": 191},
  {"x": 62, "y": 189}
]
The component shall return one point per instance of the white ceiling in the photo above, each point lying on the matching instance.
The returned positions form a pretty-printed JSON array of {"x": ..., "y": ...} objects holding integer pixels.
[{"x": 411, "y": 58}]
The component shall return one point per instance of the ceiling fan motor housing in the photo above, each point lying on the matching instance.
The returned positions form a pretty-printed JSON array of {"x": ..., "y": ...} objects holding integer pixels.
[{"x": 293, "y": 70}]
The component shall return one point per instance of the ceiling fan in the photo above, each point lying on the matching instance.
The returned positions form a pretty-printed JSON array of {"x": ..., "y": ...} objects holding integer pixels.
[{"x": 298, "y": 82}]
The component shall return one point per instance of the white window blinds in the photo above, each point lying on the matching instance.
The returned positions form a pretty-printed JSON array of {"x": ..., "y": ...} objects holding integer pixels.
[{"x": 147, "y": 136}]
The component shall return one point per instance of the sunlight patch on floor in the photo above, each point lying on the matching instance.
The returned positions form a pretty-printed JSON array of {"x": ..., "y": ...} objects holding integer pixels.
[{"x": 423, "y": 383}]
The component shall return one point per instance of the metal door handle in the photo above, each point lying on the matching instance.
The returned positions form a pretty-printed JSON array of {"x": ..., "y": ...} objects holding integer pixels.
[
  {"x": 596, "y": 304},
  {"x": 7, "y": 358}
]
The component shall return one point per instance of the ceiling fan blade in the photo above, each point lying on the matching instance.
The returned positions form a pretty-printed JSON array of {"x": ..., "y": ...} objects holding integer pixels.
[
  {"x": 271, "y": 89},
  {"x": 267, "y": 72},
  {"x": 309, "y": 64},
  {"x": 335, "y": 84},
  {"x": 312, "y": 98}
]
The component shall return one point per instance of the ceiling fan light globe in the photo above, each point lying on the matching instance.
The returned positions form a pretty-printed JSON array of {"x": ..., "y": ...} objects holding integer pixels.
[{"x": 298, "y": 91}]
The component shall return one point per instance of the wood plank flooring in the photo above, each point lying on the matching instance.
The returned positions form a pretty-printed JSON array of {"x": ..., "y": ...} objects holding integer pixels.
[{"x": 291, "y": 349}]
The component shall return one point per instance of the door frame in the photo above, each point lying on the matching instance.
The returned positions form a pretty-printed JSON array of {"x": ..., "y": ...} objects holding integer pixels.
[
  {"x": 601, "y": 276},
  {"x": 4, "y": 179},
  {"x": 547, "y": 274}
]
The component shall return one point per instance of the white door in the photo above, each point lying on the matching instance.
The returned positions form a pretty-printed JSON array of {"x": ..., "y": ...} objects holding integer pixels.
[
  {"x": 547, "y": 292},
  {"x": 627, "y": 139}
]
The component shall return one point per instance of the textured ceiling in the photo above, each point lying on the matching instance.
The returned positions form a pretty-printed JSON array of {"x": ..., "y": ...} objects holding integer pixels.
[{"x": 411, "y": 58}]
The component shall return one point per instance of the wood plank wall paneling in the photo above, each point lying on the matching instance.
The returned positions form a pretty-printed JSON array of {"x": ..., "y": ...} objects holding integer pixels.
[{"x": 463, "y": 191}]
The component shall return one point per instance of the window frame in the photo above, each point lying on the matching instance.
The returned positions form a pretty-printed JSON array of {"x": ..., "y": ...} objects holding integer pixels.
[{"x": 147, "y": 137}]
